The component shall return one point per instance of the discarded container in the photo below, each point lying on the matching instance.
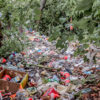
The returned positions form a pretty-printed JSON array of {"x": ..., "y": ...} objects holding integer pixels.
[
  {"x": 31, "y": 90},
  {"x": 64, "y": 75},
  {"x": 30, "y": 29},
  {"x": 86, "y": 90},
  {"x": 21, "y": 94},
  {"x": 11, "y": 56},
  {"x": 67, "y": 82},
  {"x": 32, "y": 83},
  {"x": 16, "y": 79},
  {"x": 1, "y": 98},
  {"x": 71, "y": 28},
  {"x": 52, "y": 93},
  {"x": 30, "y": 99},
  {"x": 7, "y": 78},
  {"x": 3, "y": 60},
  {"x": 13, "y": 86},
  {"x": 69, "y": 71},
  {"x": 65, "y": 57},
  {"x": 88, "y": 72},
  {"x": 54, "y": 79}
]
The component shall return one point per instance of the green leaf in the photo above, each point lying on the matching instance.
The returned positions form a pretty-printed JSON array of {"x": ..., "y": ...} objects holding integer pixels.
[{"x": 62, "y": 20}]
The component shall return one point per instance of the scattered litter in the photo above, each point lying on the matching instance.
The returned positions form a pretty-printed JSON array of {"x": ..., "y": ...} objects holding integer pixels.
[{"x": 41, "y": 72}]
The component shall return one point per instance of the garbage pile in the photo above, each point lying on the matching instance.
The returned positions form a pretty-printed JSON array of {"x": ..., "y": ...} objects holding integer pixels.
[{"x": 52, "y": 74}]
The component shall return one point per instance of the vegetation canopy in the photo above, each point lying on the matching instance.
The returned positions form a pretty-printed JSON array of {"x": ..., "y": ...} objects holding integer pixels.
[{"x": 61, "y": 20}]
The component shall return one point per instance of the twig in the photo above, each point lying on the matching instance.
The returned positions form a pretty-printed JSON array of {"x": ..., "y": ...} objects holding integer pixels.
[{"x": 46, "y": 67}]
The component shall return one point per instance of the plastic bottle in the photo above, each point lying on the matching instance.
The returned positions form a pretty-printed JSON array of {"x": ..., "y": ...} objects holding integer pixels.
[{"x": 1, "y": 97}]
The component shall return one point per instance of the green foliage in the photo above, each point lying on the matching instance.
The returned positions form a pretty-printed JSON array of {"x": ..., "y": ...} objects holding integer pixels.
[
  {"x": 87, "y": 21},
  {"x": 55, "y": 21},
  {"x": 14, "y": 16},
  {"x": 12, "y": 42}
]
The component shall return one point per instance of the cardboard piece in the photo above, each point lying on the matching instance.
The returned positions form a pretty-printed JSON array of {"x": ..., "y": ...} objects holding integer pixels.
[{"x": 13, "y": 87}]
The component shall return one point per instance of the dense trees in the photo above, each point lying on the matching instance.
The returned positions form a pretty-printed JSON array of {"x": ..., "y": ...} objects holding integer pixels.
[
  {"x": 60, "y": 16},
  {"x": 63, "y": 20}
]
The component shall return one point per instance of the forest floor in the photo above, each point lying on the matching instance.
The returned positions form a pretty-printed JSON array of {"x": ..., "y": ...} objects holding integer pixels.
[{"x": 53, "y": 74}]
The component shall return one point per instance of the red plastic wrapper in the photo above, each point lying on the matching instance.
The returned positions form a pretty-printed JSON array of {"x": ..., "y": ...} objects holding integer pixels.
[
  {"x": 66, "y": 82},
  {"x": 52, "y": 93},
  {"x": 39, "y": 53},
  {"x": 3, "y": 60},
  {"x": 65, "y": 58},
  {"x": 64, "y": 75},
  {"x": 36, "y": 39},
  {"x": 71, "y": 28},
  {"x": 7, "y": 78},
  {"x": 30, "y": 99}
]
